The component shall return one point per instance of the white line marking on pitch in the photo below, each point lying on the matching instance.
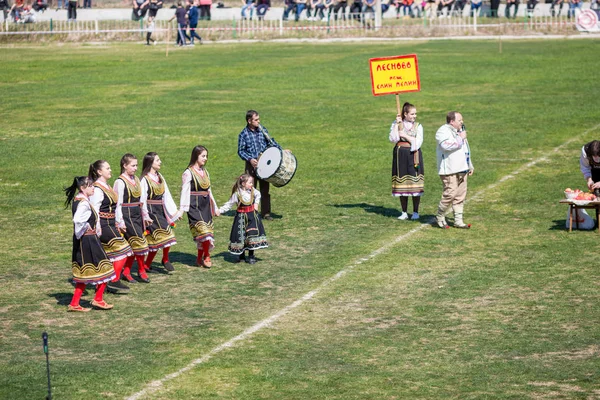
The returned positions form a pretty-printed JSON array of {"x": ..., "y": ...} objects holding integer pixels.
[{"x": 155, "y": 385}]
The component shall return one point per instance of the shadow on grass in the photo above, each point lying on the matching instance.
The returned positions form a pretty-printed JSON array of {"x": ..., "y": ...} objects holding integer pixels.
[
  {"x": 64, "y": 299},
  {"x": 384, "y": 211},
  {"x": 562, "y": 225}
]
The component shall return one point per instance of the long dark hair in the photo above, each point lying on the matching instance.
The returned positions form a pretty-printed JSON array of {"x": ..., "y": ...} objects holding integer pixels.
[
  {"x": 406, "y": 108},
  {"x": 592, "y": 149},
  {"x": 94, "y": 168},
  {"x": 78, "y": 183},
  {"x": 147, "y": 164},
  {"x": 196, "y": 153},
  {"x": 239, "y": 182},
  {"x": 126, "y": 159}
]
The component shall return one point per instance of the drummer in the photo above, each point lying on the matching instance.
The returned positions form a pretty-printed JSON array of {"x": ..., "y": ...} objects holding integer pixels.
[{"x": 251, "y": 143}]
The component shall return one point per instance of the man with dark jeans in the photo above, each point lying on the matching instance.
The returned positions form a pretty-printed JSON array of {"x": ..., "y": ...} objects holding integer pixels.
[
  {"x": 252, "y": 141},
  {"x": 509, "y": 4},
  {"x": 193, "y": 15},
  {"x": 72, "y": 10},
  {"x": 290, "y": 6}
]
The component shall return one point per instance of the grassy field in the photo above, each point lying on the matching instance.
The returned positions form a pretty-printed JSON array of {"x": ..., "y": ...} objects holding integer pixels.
[{"x": 508, "y": 309}]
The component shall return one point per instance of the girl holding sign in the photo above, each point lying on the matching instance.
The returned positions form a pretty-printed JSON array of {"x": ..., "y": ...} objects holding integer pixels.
[{"x": 407, "y": 166}]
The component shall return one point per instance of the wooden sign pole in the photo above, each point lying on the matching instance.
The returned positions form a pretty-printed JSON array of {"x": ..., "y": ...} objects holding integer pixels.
[
  {"x": 168, "y": 38},
  {"x": 398, "y": 103}
]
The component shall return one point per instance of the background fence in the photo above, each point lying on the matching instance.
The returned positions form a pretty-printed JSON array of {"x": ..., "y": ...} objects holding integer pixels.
[{"x": 353, "y": 25}]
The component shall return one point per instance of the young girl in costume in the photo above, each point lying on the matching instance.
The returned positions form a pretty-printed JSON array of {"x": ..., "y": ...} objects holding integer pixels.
[
  {"x": 105, "y": 200},
  {"x": 247, "y": 232},
  {"x": 161, "y": 209},
  {"x": 197, "y": 200},
  {"x": 90, "y": 264},
  {"x": 407, "y": 166},
  {"x": 132, "y": 216}
]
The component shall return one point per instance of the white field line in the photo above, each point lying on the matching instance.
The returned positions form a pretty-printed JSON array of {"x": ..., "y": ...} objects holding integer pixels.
[{"x": 155, "y": 385}]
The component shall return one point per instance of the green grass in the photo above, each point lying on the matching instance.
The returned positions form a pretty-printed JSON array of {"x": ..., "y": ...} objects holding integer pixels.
[{"x": 508, "y": 309}]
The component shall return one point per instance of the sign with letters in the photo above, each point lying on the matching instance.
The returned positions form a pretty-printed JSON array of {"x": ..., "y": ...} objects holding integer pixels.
[{"x": 393, "y": 75}]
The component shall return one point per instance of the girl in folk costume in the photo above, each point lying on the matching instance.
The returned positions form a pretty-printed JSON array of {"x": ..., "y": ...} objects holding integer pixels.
[
  {"x": 105, "y": 200},
  {"x": 407, "y": 166},
  {"x": 161, "y": 209},
  {"x": 197, "y": 200},
  {"x": 132, "y": 216},
  {"x": 90, "y": 264},
  {"x": 247, "y": 232}
]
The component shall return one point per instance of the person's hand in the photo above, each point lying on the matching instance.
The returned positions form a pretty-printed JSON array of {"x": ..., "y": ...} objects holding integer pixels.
[
  {"x": 463, "y": 134},
  {"x": 595, "y": 186},
  {"x": 254, "y": 162},
  {"x": 590, "y": 183},
  {"x": 471, "y": 171},
  {"x": 255, "y": 207},
  {"x": 217, "y": 212},
  {"x": 398, "y": 118}
]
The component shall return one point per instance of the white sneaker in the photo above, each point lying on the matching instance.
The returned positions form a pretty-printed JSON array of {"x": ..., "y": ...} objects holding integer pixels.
[
  {"x": 403, "y": 216},
  {"x": 415, "y": 216}
]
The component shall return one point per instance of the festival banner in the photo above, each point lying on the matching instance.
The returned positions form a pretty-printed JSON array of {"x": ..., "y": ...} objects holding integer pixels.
[{"x": 393, "y": 75}]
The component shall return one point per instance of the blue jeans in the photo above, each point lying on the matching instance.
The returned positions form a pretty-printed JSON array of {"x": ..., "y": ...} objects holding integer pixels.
[
  {"x": 299, "y": 8},
  {"x": 193, "y": 33},
  {"x": 572, "y": 7},
  {"x": 245, "y": 8}
]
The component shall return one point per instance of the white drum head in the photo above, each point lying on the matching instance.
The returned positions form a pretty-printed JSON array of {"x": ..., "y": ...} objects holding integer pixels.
[{"x": 268, "y": 163}]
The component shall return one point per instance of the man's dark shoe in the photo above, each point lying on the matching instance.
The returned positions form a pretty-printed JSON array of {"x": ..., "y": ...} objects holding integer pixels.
[{"x": 268, "y": 217}]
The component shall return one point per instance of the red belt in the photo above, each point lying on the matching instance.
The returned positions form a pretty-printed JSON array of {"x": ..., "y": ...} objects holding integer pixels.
[
  {"x": 403, "y": 144},
  {"x": 131, "y": 205},
  {"x": 202, "y": 193},
  {"x": 106, "y": 215},
  {"x": 245, "y": 209},
  {"x": 154, "y": 202},
  {"x": 89, "y": 232}
]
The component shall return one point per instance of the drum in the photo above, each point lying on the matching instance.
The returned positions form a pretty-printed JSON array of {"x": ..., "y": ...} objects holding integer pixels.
[{"x": 276, "y": 166}]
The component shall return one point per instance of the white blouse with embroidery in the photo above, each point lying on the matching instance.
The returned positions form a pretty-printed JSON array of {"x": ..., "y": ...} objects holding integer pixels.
[{"x": 234, "y": 200}]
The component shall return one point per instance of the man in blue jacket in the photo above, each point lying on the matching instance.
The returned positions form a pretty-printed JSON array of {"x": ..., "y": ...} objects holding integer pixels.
[{"x": 193, "y": 19}]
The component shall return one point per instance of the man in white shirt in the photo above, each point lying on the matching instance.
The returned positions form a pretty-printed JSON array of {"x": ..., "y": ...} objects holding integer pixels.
[{"x": 454, "y": 165}]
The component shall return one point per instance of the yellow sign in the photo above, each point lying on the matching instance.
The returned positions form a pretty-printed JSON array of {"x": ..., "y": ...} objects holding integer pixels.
[{"x": 393, "y": 75}]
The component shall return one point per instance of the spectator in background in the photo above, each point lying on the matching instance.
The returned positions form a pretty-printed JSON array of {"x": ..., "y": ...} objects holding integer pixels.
[
  {"x": 17, "y": 9},
  {"x": 262, "y": 6},
  {"x": 149, "y": 31},
  {"x": 39, "y": 5},
  {"x": 5, "y": 7},
  {"x": 494, "y": 5},
  {"x": 589, "y": 164},
  {"x": 205, "y": 6},
  {"x": 72, "y": 10},
  {"x": 59, "y": 4},
  {"x": 180, "y": 15},
  {"x": 247, "y": 5},
  {"x": 193, "y": 15},
  {"x": 555, "y": 3},
  {"x": 475, "y": 7},
  {"x": 328, "y": 8},
  {"x": 531, "y": 7},
  {"x": 318, "y": 7},
  {"x": 290, "y": 5},
  {"x": 139, "y": 9},
  {"x": 153, "y": 7},
  {"x": 445, "y": 4},
  {"x": 87, "y": 3},
  {"x": 509, "y": 4},
  {"x": 355, "y": 9},
  {"x": 573, "y": 6},
  {"x": 340, "y": 5},
  {"x": 300, "y": 6}
]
